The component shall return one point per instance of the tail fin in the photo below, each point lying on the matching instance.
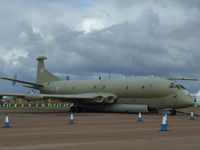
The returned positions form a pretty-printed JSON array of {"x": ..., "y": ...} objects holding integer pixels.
[{"x": 44, "y": 76}]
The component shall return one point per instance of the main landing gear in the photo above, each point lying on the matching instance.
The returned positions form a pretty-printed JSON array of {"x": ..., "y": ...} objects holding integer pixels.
[
  {"x": 153, "y": 110},
  {"x": 75, "y": 109},
  {"x": 172, "y": 112}
]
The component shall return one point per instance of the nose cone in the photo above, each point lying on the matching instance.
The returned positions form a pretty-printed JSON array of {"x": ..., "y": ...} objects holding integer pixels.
[
  {"x": 189, "y": 100},
  {"x": 185, "y": 100}
]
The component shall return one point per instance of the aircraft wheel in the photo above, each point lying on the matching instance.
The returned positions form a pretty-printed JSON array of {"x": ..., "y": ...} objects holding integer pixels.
[
  {"x": 75, "y": 109},
  {"x": 72, "y": 109},
  {"x": 172, "y": 112},
  {"x": 153, "y": 110}
]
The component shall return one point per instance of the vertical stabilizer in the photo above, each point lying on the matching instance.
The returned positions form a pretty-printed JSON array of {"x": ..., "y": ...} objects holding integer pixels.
[{"x": 44, "y": 76}]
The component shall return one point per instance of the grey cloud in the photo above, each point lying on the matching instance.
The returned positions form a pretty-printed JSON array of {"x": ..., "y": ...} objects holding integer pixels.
[
  {"x": 130, "y": 3},
  {"x": 144, "y": 46},
  {"x": 190, "y": 3},
  {"x": 129, "y": 43}
]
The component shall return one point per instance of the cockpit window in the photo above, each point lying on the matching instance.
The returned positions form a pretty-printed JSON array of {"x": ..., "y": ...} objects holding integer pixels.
[
  {"x": 182, "y": 87},
  {"x": 172, "y": 85},
  {"x": 179, "y": 86}
]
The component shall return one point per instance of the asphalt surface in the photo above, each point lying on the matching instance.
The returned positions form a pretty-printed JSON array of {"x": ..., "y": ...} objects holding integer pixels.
[{"x": 96, "y": 131}]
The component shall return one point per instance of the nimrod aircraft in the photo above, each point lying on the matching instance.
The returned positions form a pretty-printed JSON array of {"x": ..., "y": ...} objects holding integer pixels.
[{"x": 122, "y": 95}]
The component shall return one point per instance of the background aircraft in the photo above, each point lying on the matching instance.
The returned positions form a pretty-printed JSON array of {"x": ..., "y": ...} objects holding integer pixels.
[
  {"x": 196, "y": 97},
  {"x": 123, "y": 95},
  {"x": 6, "y": 98}
]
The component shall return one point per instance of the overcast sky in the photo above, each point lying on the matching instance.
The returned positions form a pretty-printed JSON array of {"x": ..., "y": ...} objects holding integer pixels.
[{"x": 87, "y": 38}]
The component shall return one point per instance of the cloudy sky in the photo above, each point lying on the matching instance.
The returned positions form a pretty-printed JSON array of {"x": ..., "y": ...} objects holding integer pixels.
[{"x": 86, "y": 38}]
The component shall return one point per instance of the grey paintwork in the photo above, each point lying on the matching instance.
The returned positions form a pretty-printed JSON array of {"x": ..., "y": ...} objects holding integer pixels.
[{"x": 154, "y": 92}]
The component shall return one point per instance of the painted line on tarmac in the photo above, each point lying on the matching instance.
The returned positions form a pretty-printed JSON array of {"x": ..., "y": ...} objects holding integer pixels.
[
  {"x": 53, "y": 146},
  {"x": 133, "y": 141},
  {"x": 77, "y": 132},
  {"x": 81, "y": 132}
]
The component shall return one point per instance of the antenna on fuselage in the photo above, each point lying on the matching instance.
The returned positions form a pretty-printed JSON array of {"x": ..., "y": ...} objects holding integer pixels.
[
  {"x": 15, "y": 78},
  {"x": 67, "y": 78},
  {"x": 109, "y": 74}
]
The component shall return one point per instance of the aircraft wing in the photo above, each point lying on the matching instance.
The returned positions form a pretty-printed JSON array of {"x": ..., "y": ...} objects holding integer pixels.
[{"x": 83, "y": 97}]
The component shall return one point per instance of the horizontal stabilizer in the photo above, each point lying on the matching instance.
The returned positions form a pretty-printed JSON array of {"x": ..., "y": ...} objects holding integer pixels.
[
  {"x": 21, "y": 81},
  {"x": 189, "y": 79}
]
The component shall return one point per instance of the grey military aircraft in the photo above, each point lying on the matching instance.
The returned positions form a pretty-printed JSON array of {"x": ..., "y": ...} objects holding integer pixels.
[{"x": 122, "y": 95}]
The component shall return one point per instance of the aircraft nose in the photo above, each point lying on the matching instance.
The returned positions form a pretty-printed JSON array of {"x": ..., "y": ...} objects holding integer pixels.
[
  {"x": 189, "y": 100},
  {"x": 184, "y": 100}
]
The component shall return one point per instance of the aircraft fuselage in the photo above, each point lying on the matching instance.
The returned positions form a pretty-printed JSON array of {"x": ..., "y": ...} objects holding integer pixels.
[{"x": 153, "y": 92}]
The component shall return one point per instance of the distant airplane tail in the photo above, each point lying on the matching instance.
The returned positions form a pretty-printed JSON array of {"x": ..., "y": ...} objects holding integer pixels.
[{"x": 44, "y": 76}]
